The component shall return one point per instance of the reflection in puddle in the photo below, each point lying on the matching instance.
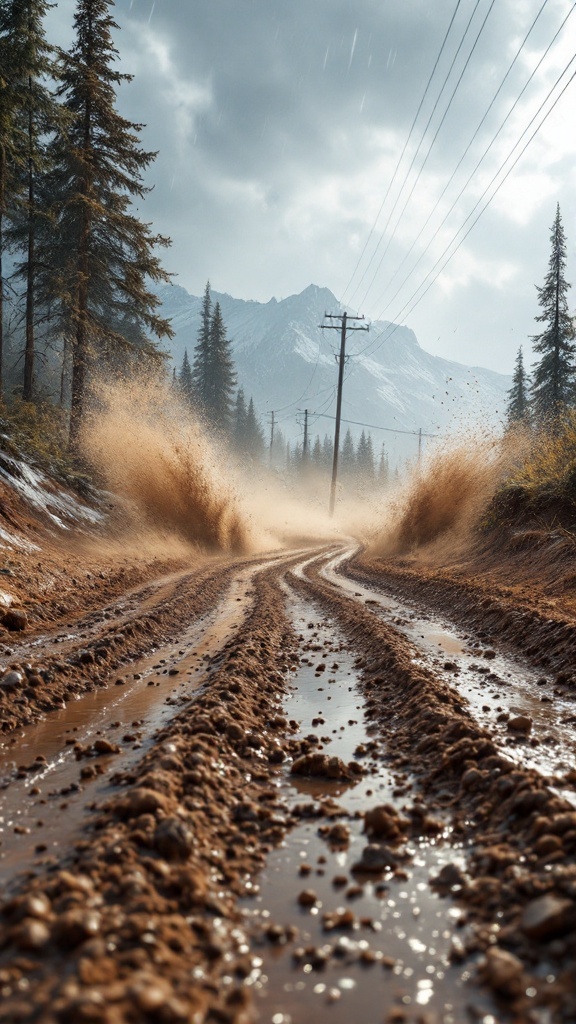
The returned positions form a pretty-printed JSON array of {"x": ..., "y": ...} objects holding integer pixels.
[
  {"x": 362, "y": 944},
  {"x": 43, "y": 768}
]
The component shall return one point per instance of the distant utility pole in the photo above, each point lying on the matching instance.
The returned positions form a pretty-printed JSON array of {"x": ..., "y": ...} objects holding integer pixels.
[
  {"x": 340, "y": 359},
  {"x": 271, "y": 435},
  {"x": 305, "y": 448}
]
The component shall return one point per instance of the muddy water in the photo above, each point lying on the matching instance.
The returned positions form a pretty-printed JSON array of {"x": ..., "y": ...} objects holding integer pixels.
[
  {"x": 44, "y": 801},
  {"x": 392, "y": 946},
  {"x": 496, "y": 686}
]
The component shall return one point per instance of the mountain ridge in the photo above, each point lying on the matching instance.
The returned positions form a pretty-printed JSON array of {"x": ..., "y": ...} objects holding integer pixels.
[{"x": 286, "y": 363}]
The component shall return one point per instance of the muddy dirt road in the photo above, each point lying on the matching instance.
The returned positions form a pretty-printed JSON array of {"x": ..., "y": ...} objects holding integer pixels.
[{"x": 289, "y": 788}]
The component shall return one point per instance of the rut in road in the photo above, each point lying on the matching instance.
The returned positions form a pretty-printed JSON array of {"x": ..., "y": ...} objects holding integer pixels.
[{"x": 161, "y": 909}]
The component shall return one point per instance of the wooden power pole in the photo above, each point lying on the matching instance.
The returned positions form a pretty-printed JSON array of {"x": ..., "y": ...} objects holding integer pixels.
[{"x": 340, "y": 359}]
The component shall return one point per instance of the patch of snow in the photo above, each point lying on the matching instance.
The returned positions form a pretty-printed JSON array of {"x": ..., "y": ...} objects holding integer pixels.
[
  {"x": 39, "y": 492},
  {"x": 9, "y": 540}
]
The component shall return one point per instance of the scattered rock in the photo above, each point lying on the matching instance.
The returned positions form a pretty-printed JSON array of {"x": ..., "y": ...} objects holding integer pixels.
[
  {"x": 307, "y": 898},
  {"x": 520, "y": 723},
  {"x": 503, "y": 972},
  {"x": 384, "y": 822},
  {"x": 324, "y": 765},
  {"x": 15, "y": 619},
  {"x": 375, "y": 857},
  {"x": 173, "y": 839},
  {"x": 547, "y": 917},
  {"x": 11, "y": 680},
  {"x": 141, "y": 801},
  {"x": 449, "y": 877},
  {"x": 75, "y": 926}
]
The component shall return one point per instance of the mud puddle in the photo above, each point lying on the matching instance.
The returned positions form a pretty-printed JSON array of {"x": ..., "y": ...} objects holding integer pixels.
[
  {"x": 497, "y": 687},
  {"x": 349, "y": 932},
  {"x": 51, "y": 773}
]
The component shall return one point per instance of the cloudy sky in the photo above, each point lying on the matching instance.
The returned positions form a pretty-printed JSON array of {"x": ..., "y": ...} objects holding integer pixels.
[{"x": 285, "y": 156}]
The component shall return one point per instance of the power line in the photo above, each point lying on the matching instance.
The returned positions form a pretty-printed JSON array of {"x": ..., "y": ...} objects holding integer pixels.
[
  {"x": 484, "y": 208},
  {"x": 412, "y": 162},
  {"x": 479, "y": 162},
  {"x": 397, "y": 168},
  {"x": 430, "y": 148},
  {"x": 376, "y": 426}
]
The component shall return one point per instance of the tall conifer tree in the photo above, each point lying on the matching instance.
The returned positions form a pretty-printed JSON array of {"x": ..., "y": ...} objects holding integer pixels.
[
  {"x": 36, "y": 116},
  {"x": 254, "y": 434},
  {"x": 220, "y": 373},
  {"x": 185, "y": 380},
  {"x": 201, "y": 360},
  {"x": 104, "y": 256},
  {"x": 518, "y": 402},
  {"x": 12, "y": 145},
  {"x": 554, "y": 377},
  {"x": 239, "y": 422}
]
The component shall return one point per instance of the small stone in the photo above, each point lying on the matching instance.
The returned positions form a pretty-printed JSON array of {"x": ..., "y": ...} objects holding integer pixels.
[
  {"x": 11, "y": 680},
  {"x": 375, "y": 857},
  {"x": 31, "y": 934},
  {"x": 384, "y": 822},
  {"x": 449, "y": 877},
  {"x": 502, "y": 971},
  {"x": 149, "y": 993},
  {"x": 173, "y": 839},
  {"x": 102, "y": 746},
  {"x": 37, "y": 905},
  {"x": 547, "y": 917},
  {"x": 520, "y": 723},
  {"x": 76, "y": 926},
  {"x": 15, "y": 619},
  {"x": 338, "y": 834},
  {"x": 307, "y": 898}
]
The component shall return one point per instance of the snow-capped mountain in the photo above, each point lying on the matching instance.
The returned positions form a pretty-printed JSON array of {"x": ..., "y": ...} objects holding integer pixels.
[{"x": 287, "y": 363}]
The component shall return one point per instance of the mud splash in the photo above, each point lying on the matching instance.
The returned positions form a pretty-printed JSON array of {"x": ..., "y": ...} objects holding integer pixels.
[
  {"x": 446, "y": 496},
  {"x": 150, "y": 451}
]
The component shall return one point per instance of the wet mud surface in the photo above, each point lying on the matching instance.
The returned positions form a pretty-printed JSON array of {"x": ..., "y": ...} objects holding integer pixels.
[{"x": 297, "y": 796}]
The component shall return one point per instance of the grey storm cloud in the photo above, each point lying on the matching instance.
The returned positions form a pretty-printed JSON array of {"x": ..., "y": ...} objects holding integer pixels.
[{"x": 278, "y": 124}]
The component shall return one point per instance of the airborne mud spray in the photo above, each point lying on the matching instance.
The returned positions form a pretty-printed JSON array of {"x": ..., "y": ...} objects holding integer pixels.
[
  {"x": 150, "y": 451},
  {"x": 443, "y": 501}
]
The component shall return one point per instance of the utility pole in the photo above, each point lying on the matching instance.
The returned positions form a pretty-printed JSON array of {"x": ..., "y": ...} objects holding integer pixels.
[
  {"x": 271, "y": 435},
  {"x": 305, "y": 448},
  {"x": 340, "y": 359}
]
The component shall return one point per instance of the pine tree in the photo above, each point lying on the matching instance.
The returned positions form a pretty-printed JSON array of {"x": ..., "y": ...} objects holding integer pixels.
[
  {"x": 518, "y": 404},
  {"x": 103, "y": 255},
  {"x": 365, "y": 459},
  {"x": 254, "y": 434},
  {"x": 185, "y": 380},
  {"x": 221, "y": 378},
  {"x": 201, "y": 361},
  {"x": 12, "y": 145},
  {"x": 554, "y": 378},
  {"x": 348, "y": 456},
  {"x": 327, "y": 452},
  {"x": 383, "y": 468},
  {"x": 278, "y": 448},
  {"x": 37, "y": 115},
  {"x": 239, "y": 423},
  {"x": 317, "y": 453}
]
